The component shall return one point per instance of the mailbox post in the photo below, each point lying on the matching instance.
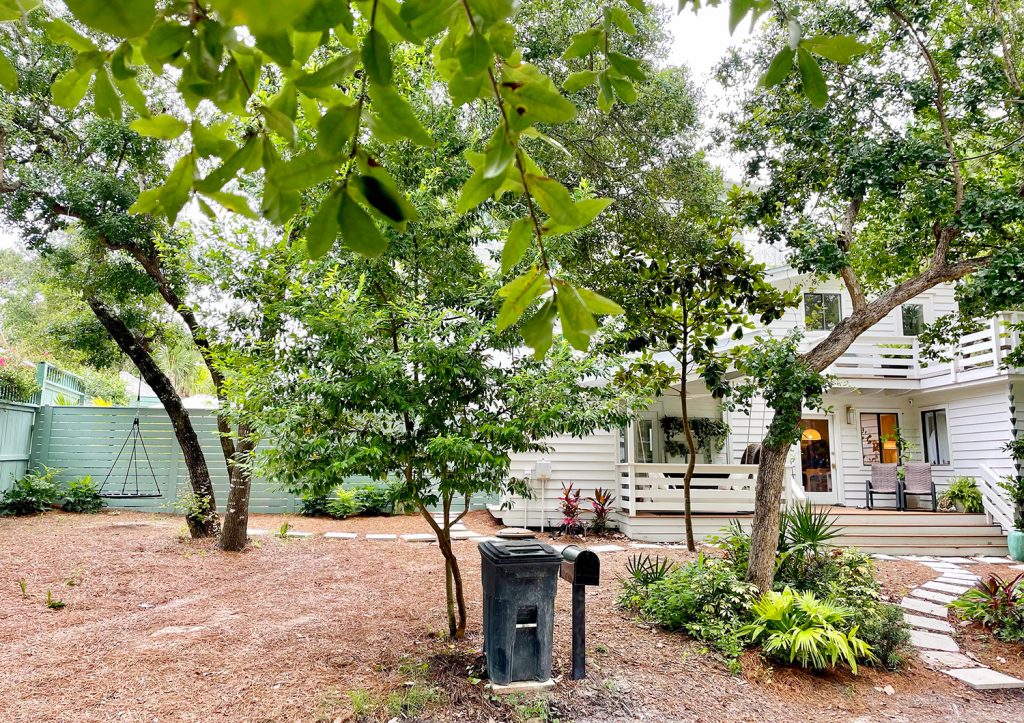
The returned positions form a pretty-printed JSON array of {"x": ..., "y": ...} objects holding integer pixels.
[{"x": 580, "y": 568}]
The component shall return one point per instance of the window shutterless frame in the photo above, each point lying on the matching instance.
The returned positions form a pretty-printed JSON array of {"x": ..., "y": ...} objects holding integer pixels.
[
  {"x": 935, "y": 436},
  {"x": 822, "y": 312}
]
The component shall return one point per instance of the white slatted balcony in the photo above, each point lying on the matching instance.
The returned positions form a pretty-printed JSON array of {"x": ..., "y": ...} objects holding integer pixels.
[{"x": 715, "y": 489}]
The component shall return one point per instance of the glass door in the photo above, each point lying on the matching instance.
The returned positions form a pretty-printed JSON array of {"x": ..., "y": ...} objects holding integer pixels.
[
  {"x": 647, "y": 442},
  {"x": 817, "y": 467}
]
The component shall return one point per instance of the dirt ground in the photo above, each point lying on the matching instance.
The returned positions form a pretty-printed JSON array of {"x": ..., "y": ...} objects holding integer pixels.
[{"x": 157, "y": 628}]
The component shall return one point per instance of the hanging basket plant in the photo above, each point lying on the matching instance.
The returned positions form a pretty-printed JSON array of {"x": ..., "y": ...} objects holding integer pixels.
[{"x": 708, "y": 435}]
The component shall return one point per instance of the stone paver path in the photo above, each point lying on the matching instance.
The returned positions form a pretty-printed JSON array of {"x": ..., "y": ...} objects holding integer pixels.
[{"x": 930, "y": 632}]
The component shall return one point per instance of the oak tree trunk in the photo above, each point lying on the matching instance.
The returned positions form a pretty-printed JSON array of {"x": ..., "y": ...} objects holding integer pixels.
[
  {"x": 202, "y": 520},
  {"x": 764, "y": 537}
]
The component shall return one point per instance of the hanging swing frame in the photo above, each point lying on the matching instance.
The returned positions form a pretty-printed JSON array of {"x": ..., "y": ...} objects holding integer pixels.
[{"x": 135, "y": 437}]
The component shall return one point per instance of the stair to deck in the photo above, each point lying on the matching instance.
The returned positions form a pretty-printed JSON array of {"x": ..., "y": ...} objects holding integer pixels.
[{"x": 880, "y": 532}]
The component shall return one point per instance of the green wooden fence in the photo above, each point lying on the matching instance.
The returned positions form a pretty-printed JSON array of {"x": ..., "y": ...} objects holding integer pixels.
[
  {"x": 16, "y": 422},
  {"x": 82, "y": 441}
]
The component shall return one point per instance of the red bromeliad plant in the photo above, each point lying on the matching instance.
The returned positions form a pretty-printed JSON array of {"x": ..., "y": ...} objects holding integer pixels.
[
  {"x": 601, "y": 504},
  {"x": 996, "y": 603},
  {"x": 570, "y": 505}
]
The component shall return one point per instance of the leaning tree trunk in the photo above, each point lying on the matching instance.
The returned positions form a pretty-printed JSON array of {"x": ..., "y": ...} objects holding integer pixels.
[
  {"x": 234, "y": 536},
  {"x": 202, "y": 519},
  {"x": 691, "y": 462},
  {"x": 764, "y": 536},
  {"x": 455, "y": 597}
]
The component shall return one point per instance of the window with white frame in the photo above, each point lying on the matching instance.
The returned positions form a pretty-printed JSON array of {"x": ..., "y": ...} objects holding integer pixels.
[
  {"x": 935, "y": 431},
  {"x": 822, "y": 312},
  {"x": 879, "y": 437},
  {"x": 913, "y": 319}
]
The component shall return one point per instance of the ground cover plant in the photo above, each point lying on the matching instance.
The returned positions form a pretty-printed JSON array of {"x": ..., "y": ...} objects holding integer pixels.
[
  {"x": 82, "y": 495},
  {"x": 36, "y": 492}
]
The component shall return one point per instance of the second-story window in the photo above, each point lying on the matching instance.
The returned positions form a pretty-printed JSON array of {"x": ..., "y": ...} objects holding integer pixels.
[
  {"x": 913, "y": 319},
  {"x": 822, "y": 312}
]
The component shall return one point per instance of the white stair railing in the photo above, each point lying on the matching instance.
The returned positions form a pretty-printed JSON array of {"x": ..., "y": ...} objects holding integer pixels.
[{"x": 997, "y": 508}]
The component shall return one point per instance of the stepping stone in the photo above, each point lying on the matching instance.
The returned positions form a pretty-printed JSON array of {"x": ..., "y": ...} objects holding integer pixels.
[
  {"x": 257, "y": 533},
  {"x": 385, "y": 536},
  {"x": 419, "y": 537},
  {"x": 485, "y": 539},
  {"x": 933, "y": 641},
  {"x": 923, "y": 606},
  {"x": 341, "y": 535},
  {"x": 985, "y": 678},
  {"x": 995, "y": 560},
  {"x": 959, "y": 560},
  {"x": 606, "y": 548},
  {"x": 294, "y": 533},
  {"x": 1017, "y": 567},
  {"x": 880, "y": 556},
  {"x": 963, "y": 576},
  {"x": 464, "y": 534},
  {"x": 942, "y": 659},
  {"x": 939, "y": 597},
  {"x": 941, "y": 567},
  {"x": 919, "y": 621},
  {"x": 646, "y": 546},
  {"x": 947, "y": 587}
]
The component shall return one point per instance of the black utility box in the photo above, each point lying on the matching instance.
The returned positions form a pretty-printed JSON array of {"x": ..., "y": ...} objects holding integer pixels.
[{"x": 520, "y": 578}]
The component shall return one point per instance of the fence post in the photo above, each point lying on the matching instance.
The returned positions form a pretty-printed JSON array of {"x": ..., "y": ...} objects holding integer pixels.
[{"x": 41, "y": 441}]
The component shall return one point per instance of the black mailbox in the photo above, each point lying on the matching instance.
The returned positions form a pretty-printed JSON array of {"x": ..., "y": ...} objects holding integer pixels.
[{"x": 580, "y": 567}]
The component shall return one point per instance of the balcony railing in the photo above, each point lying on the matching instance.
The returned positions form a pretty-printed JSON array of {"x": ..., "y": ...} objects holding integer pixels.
[
  {"x": 716, "y": 488},
  {"x": 977, "y": 355}
]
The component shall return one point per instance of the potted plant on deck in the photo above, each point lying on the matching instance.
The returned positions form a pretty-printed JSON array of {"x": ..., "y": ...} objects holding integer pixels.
[{"x": 1014, "y": 486}]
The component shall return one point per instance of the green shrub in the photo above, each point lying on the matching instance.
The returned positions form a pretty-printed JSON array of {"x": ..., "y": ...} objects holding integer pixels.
[
  {"x": 17, "y": 380},
  {"x": 82, "y": 495},
  {"x": 315, "y": 505},
  {"x": 35, "y": 492},
  {"x": 642, "y": 571},
  {"x": 884, "y": 628},
  {"x": 706, "y": 599},
  {"x": 735, "y": 544},
  {"x": 996, "y": 603},
  {"x": 375, "y": 500},
  {"x": 794, "y": 627},
  {"x": 845, "y": 575},
  {"x": 964, "y": 491},
  {"x": 343, "y": 504}
]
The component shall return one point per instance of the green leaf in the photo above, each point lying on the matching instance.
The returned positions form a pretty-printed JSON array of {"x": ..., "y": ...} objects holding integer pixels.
[
  {"x": 839, "y": 48},
  {"x": 621, "y": 19},
  {"x": 738, "y": 9},
  {"x": 358, "y": 230},
  {"x": 278, "y": 46},
  {"x": 234, "y": 202},
  {"x": 586, "y": 211},
  {"x": 120, "y": 18},
  {"x": 376, "y": 56},
  {"x": 162, "y": 126},
  {"x": 519, "y": 294},
  {"x": 500, "y": 154},
  {"x": 779, "y": 68},
  {"x": 241, "y": 159},
  {"x": 333, "y": 73},
  {"x": 578, "y": 323},
  {"x": 397, "y": 114},
  {"x": 518, "y": 240},
  {"x": 8, "y": 75},
  {"x": 59, "y": 31},
  {"x": 133, "y": 95},
  {"x": 638, "y": 5},
  {"x": 811, "y": 79},
  {"x": 322, "y": 15},
  {"x": 598, "y": 304},
  {"x": 554, "y": 198},
  {"x": 165, "y": 41},
  {"x": 69, "y": 88},
  {"x": 580, "y": 80},
  {"x": 534, "y": 96},
  {"x": 379, "y": 191},
  {"x": 625, "y": 90},
  {"x": 15, "y": 9},
  {"x": 279, "y": 205},
  {"x": 583, "y": 43},
  {"x": 477, "y": 190},
  {"x": 538, "y": 330},
  {"x": 474, "y": 54},
  {"x": 106, "y": 100},
  {"x": 606, "y": 94},
  {"x": 629, "y": 67},
  {"x": 302, "y": 171},
  {"x": 336, "y": 128},
  {"x": 323, "y": 227},
  {"x": 280, "y": 123}
]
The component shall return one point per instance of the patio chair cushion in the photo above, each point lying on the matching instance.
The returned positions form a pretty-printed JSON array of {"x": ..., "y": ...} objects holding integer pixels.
[
  {"x": 884, "y": 478},
  {"x": 918, "y": 478}
]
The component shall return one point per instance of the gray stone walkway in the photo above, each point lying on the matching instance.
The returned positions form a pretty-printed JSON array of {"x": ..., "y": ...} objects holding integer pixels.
[{"x": 926, "y": 611}]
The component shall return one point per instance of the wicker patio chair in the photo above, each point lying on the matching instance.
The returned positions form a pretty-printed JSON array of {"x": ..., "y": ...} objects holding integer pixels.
[
  {"x": 918, "y": 481},
  {"x": 884, "y": 481}
]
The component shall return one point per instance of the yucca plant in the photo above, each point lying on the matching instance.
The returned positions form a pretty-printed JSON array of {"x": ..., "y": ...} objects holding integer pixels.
[{"x": 799, "y": 628}]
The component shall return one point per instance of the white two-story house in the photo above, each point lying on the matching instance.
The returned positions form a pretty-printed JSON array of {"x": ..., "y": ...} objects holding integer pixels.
[{"x": 956, "y": 415}]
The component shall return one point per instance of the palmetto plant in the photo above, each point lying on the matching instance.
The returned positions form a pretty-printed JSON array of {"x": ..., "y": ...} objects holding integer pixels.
[
  {"x": 799, "y": 628},
  {"x": 805, "y": 529},
  {"x": 646, "y": 570}
]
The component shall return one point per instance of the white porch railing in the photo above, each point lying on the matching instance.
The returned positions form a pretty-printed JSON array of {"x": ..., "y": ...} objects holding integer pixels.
[
  {"x": 997, "y": 508},
  {"x": 716, "y": 488},
  {"x": 977, "y": 355}
]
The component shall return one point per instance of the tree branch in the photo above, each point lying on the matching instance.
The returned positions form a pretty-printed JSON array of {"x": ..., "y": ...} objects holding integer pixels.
[{"x": 846, "y": 243}]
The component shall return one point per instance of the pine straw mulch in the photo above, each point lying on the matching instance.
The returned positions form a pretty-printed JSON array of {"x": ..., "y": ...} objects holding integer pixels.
[{"x": 161, "y": 628}]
